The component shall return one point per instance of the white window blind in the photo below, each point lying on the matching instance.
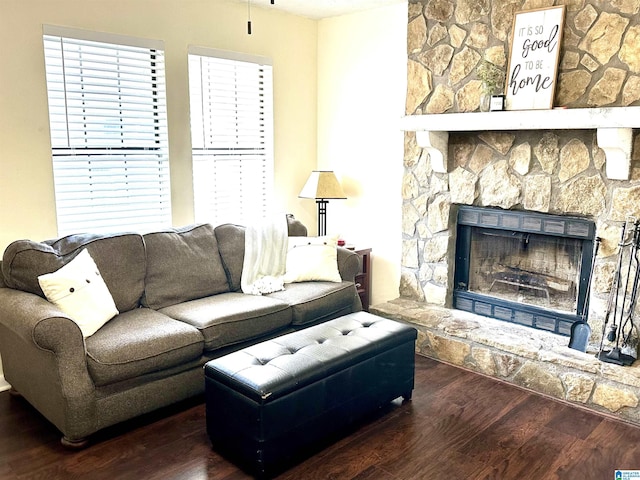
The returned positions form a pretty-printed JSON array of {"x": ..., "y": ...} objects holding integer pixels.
[
  {"x": 231, "y": 100},
  {"x": 108, "y": 120}
]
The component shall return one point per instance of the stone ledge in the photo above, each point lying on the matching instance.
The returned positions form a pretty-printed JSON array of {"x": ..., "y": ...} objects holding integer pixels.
[
  {"x": 533, "y": 359},
  {"x": 614, "y": 127}
]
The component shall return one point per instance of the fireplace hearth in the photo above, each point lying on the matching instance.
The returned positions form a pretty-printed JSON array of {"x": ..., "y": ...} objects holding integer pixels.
[{"x": 523, "y": 267}]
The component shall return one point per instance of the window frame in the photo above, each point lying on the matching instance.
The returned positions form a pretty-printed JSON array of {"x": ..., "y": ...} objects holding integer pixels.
[
  {"x": 111, "y": 173},
  {"x": 226, "y": 186}
]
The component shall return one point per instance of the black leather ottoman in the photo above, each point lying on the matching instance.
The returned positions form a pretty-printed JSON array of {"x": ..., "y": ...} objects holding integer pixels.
[{"x": 272, "y": 402}]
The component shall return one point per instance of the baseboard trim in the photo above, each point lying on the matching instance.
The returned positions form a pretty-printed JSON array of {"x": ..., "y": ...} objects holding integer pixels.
[{"x": 3, "y": 384}]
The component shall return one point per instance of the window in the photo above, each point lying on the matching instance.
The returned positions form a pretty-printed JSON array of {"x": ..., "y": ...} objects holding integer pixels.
[
  {"x": 231, "y": 100},
  {"x": 108, "y": 120}
]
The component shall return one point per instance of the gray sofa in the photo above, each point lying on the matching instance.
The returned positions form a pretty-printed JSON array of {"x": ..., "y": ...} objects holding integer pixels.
[{"x": 180, "y": 303}]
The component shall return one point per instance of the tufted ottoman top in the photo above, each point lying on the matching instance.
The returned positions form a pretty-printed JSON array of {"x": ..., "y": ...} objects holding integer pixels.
[{"x": 273, "y": 368}]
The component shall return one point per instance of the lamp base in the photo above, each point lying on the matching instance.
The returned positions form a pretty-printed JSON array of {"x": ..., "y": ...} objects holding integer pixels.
[{"x": 322, "y": 216}]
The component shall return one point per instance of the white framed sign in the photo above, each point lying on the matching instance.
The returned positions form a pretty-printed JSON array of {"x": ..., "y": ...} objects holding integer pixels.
[{"x": 533, "y": 62}]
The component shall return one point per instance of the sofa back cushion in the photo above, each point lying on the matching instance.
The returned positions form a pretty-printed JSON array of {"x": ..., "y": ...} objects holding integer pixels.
[
  {"x": 230, "y": 239},
  {"x": 182, "y": 264},
  {"x": 119, "y": 257},
  {"x": 295, "y": 227}
]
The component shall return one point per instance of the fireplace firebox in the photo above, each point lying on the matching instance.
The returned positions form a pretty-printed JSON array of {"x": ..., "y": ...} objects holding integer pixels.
[{"x": 523, "y": 267}]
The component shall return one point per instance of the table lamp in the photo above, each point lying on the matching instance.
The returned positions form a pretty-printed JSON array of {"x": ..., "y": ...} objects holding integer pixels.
[{"x": 322, "y": 185}]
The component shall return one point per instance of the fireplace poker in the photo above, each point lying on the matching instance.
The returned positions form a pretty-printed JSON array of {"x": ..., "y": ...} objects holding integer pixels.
[
  {"x": 615, "y": 355},
  {"x": 617, "y": 329},
  {"x": 613, "y": 294},
  {"x": 634, "y": 287}
]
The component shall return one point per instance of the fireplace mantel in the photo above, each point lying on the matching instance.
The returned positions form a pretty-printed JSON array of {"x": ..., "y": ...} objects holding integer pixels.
[{"x": 614, "y": 127}]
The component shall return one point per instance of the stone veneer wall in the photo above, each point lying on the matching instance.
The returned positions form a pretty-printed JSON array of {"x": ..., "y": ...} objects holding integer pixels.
[{"x": 560, "y": 172}]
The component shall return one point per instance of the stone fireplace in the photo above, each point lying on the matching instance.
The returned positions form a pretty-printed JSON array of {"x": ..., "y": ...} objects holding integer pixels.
[{"x": 547, "y": 162}]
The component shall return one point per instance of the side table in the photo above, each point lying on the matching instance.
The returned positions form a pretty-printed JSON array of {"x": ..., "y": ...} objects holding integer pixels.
[{"x": 363, "y": 278}]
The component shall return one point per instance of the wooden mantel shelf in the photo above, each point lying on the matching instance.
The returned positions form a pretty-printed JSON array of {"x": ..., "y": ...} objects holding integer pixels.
[{"x": 614, "y": 126}]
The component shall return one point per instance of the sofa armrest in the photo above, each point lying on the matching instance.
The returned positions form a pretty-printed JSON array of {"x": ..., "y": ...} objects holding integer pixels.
[
  {"x": 29, "y": 316},
  {"x": 349, "y": 264},
  {"x": 44, "y": 359}
]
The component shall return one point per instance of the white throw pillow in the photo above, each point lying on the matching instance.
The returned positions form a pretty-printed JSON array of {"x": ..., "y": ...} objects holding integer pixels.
[
  {"x": 79, "y": 290},
  {"x": 312, "y": 258}
]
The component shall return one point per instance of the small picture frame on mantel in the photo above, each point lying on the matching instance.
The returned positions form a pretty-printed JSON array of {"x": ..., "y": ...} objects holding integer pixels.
[
  {"x": 496, "y": 104},
  {"x": 533, "y": 62}
]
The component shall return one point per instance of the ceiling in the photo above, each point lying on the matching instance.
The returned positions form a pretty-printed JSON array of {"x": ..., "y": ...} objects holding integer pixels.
[{"x": 317, "y": 9}]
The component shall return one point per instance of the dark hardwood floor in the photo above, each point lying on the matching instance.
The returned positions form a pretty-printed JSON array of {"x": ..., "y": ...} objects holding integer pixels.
[{"x": 458, "y": 425}]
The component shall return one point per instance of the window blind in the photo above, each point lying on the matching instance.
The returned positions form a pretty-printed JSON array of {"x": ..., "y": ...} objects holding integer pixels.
[
  {"x": 108, "y": 121},
  {"x": 232, "y": 137}
]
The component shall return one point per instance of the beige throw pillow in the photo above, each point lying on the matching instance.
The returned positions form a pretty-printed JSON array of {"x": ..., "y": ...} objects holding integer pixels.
[
  {"x": 312, "y": 258},
  {"x": 79, "y": 290}
]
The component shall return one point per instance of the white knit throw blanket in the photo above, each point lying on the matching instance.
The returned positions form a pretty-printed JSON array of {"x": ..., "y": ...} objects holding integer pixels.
[{"x": 265, "y": 256}]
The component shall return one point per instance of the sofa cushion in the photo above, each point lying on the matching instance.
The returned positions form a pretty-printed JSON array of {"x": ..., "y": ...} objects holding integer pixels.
[
  {"x": 315, "y": 301},
  {"x": 230, "y": 239},
  {"x": 79, "y": 290},
  {"x": 312, "y": 259},
  {"x": 182, "y": 264},
  {"x": 232, "y": 317},
  {"x": 119, "y": 257},
  {"x": 138, "y": 342}
]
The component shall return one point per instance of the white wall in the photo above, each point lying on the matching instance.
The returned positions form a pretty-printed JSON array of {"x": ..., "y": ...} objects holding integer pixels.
[{"x": 362, "y": 78}]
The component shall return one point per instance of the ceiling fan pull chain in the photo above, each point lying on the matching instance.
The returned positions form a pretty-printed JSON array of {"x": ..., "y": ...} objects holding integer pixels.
[
  {"x": 273, "y": 2},
  {"x": 249, "y": 17}
]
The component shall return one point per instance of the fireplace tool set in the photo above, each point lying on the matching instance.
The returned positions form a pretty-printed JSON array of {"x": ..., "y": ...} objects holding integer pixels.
[{"x": 618, "y": 326}]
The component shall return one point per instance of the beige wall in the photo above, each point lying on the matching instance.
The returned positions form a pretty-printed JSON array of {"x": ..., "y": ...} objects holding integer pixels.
[
  {"x": 353, "y": 112},
  {"x": 362, "y": 77},
  {"x": 339, "y": 91},
  {"x": 27, "y": 208}
]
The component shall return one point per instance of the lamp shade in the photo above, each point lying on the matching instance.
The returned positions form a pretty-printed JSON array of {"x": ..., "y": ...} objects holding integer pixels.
[{"x": 322, "y": 184}]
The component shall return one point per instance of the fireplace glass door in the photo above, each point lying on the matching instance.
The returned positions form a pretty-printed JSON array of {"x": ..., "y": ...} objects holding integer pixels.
[
  {"x": 523, "y": 267},
  {"x": 526, "y": 268}
]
